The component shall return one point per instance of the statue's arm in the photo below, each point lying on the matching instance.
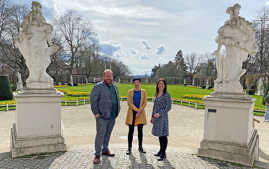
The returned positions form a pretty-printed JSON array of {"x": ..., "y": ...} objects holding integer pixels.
[
  {"x": 52, "y": 49},
  {"x": 216, "y": 52}
]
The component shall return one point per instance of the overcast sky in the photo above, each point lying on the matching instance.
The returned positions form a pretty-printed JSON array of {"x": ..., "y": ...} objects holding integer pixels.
[{"x": 144, "y": 33}]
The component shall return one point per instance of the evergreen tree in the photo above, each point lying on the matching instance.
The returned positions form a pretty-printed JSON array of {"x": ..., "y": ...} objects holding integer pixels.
[{"x": 180, "y": 63}]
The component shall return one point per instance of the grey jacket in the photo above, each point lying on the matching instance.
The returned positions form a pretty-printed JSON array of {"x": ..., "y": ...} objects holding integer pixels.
[{"x": 101, "y": 100}]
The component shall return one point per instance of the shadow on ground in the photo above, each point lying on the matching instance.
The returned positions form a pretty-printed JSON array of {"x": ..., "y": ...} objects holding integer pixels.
[
  {"x": 262, "y": 155},
  {"x": 82, "y": 158},
  {"x": 30, "y": 162}
]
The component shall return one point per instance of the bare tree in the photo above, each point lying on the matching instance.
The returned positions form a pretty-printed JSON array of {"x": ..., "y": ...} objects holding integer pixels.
[
  {"x": 10, "y": 26},
  {"x": 57, "y": 68},
  {"x": 75, "y": 33},
  {"x": 119, "y": 69},
  {"x": 4, "y": 16},
  {"x": 259, "y": 64},
  {"x": 90, "y": 57},
  {"x": 192, "y": 61}
]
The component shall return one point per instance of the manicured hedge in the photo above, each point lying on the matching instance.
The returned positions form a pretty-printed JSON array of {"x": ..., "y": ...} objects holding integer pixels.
[{"x": 5, "y": 89}]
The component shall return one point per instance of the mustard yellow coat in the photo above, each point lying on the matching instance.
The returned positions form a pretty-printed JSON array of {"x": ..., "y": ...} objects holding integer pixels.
[{"x": 141, "y": 119}]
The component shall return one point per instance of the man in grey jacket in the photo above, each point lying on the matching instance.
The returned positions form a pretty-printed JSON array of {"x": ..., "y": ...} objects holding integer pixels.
[{"x": 105, "y": 105}]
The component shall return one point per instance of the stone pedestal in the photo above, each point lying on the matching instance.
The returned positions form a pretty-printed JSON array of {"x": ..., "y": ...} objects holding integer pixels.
[
  {"x": 38, "y": 126},
  {"x": 229, "y": 132}
]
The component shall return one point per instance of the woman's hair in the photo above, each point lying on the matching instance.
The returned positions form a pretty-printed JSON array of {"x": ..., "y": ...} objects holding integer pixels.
[{"x": 165, "y": 86}]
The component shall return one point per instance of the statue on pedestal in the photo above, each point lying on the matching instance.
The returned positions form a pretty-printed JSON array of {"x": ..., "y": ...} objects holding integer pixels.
[
  {"x": 35, "y": 45},
  {"x": 229, "y": 133},
  {"x": 238, "y": 37},
  {"x": 37, "y": 128}
]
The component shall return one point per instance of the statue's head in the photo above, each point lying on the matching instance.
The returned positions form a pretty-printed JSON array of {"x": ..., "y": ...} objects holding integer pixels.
[
  {"x": 36, "y": 6},
  {"x": 234, "y": 10}
]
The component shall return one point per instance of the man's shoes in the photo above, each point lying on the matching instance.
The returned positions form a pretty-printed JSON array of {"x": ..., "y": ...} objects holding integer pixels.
[
  {"x": 158, "y": 154},
  {"x": 108, "y": 153},
  {"x": 162, "y": 157},
  {"x": 129, "y": 151},
  {"x": 141, "y": 150},
  {"x": 96, "y": 160}
]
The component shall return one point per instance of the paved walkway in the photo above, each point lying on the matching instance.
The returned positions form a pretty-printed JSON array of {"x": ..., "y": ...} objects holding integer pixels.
[
  {"x": 186, "y": 130},
  {"x": 80, "y": 157}
]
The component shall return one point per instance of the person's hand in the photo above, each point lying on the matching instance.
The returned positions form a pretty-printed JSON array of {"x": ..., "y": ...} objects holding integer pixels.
[
  {"x": 97, "y": 116},
  {"x": 152, "y": 120},
  {"x": 137, "y": 114},
  {"x": 140, "y": 110},
  {"x": 157, "y": 115}
]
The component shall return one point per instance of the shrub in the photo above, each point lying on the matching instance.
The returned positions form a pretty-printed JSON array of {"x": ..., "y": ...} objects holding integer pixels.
[
  {"x": 5, "y": 89},
  {"x": 265, "y": 93},
  {"x": 13, "y": 87},
  {"x": 210, "y": 87},
  {"x": 252, "y": 90}
]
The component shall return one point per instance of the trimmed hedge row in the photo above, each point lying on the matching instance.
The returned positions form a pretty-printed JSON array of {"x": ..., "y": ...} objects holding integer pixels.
[{"x": 5, "y": 89}]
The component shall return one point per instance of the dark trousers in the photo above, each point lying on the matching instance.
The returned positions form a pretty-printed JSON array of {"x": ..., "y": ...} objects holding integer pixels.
[
  {"x": 131, "y": 133},
  {"x": 103, "y": 131},
  {"x": 163, "y": 144}
]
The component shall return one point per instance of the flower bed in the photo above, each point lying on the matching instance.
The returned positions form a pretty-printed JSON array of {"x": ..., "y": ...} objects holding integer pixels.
[
  {"x": 9, "y": 102},
  {"x": 74, "y": 93},
  {"x": 60, "y": 86},
  {"x": 194, "y": 96}
]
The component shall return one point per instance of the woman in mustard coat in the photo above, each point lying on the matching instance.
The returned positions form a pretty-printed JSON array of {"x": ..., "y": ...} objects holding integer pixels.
[{"x": 136, "y": 116}]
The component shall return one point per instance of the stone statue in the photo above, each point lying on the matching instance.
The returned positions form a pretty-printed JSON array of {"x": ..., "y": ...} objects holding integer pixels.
[
  {"x": 260, "y": 91},
  {"x": 238, "y": 37},
  {"x": 35, "y": 45},
  {"x": 19, "y": 83}
]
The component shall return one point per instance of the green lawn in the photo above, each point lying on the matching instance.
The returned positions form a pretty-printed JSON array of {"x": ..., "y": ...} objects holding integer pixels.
[{"x": 176, "y": 91}]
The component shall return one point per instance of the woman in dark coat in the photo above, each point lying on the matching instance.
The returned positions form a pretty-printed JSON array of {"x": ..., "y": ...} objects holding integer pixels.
[{"x": 162, "y": 105}]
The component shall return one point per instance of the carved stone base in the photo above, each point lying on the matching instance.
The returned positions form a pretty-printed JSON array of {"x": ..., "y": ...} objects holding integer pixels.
[
  {"x": 229, "y": 132},
  {"x": 232, "y": 87},
  {"x": 242, "y": 154},
  {"x": 34, "y": 145},
  {"x": 39, "y": 84},
  {"x": 39, "y": 91},
  {"x": 38, "y": 126}
]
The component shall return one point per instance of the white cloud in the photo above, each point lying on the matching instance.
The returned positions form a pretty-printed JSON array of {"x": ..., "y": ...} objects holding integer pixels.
[
  {"x": 121, "y": 24},
  {"x": 109, "y": 47},
  {"x": 127, "y": 8}
]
